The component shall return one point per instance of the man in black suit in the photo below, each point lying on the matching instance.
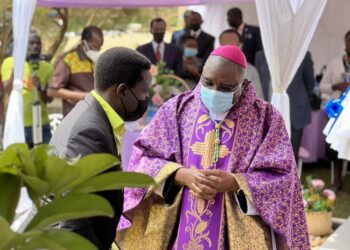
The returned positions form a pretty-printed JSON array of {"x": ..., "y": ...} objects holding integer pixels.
[
  {"x": 250, "y": 34},
  {"x": 299, "y": 91},
  {"x": 205, "y": 41},
  {"x": 176, "y": 37},
  {"x": 158, "y": 50},
  {"x": 96, "y": 125}
]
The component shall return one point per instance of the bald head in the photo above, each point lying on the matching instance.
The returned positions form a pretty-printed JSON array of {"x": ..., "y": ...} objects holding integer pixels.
[{"x": 224, "y": 68}]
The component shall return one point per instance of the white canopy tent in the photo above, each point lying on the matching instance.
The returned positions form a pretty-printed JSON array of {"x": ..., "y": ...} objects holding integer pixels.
[{"x": 215, "y": 25}]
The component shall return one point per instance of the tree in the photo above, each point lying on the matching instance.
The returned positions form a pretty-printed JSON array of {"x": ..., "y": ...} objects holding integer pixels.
[{"x": 5, "y": 27}]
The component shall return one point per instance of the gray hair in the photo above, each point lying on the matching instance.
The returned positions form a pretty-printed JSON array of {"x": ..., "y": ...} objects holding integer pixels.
[{"x": 220, "y": 62}]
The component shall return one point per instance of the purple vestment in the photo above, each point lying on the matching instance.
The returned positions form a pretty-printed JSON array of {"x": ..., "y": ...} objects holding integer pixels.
[{"x": 254, "y": 143}]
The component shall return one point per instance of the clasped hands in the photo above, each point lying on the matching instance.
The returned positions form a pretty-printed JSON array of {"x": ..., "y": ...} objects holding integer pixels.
[{"x": 205, "y": 184}]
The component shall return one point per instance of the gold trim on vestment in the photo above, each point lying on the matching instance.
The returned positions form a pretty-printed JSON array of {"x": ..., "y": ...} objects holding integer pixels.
[{"x": 244, "y": 231}]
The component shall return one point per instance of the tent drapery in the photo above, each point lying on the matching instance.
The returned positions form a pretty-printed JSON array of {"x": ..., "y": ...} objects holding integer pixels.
[
  {"x": 128, "y": 3},
  {"x": 22, "y": 15},
  {"x": 287, "y": 27},
  {"x": 21, "y": 18}
]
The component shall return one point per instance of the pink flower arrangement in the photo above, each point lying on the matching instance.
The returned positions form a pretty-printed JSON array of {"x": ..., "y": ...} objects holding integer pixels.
[
  {"x": 329, "y": 194},
  {"x": 315, "y": 198},
  {"x": 317, "y": 184}
]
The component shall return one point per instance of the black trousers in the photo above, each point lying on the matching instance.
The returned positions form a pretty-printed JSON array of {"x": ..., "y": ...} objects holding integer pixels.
[{"x": 296, "y": 137}]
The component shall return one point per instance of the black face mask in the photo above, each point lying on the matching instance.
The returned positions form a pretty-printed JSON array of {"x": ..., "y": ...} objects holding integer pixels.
[
  {"x": 142, "y": 106},
  {"x": 158, "y": 37},
  {"x": 195, "y": 26}
]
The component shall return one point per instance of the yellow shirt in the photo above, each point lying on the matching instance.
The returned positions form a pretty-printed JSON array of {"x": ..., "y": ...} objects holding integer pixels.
[
  {"x": 44, "y": 72},
  {"x": 115, "y": 120}
]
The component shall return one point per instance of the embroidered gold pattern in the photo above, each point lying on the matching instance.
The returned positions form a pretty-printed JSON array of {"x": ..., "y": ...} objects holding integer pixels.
[
  {"x": 198, "y": 230},
  {"x": 206, "y": 149}
]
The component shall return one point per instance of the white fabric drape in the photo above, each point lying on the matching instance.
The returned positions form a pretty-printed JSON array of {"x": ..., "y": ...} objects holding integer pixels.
[
  {"x": 287, "y": 27},
  {"x": 22, "y": 14}
]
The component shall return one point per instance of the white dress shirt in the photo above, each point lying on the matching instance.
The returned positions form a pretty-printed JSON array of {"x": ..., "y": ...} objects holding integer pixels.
[
  {"x": 161, "y": 48},
  {"x": 195, "y": 34}
]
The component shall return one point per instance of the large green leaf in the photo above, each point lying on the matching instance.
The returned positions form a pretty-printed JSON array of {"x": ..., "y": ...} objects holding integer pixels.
[
  {"x": 39, "y": 154},
  {"x": 36, "y": 186},
  {"x": 6, "y": 234},
  {"x": 113, "y": 181},
  {"x": 69, "y": 240},
  {"x": 40, "y": 243},
  {"x": 60, "y": 174},
  {"x": 27, "y": 163},
  {"x": 72, "y": 206},
  {"x": 10, "y": 156},
  {"x": 21, "y": 240},
  {"x": 94, "y": 164},
  {"x": 10, "y": 188}
]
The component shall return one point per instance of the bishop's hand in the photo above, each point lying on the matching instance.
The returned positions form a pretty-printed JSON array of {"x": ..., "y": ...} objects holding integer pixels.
[
  {"x": 224, "y": 182},
  {"x": 201, "y": 186}
]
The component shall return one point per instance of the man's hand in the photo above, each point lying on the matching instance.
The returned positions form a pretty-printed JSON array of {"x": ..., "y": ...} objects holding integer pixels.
[
  {"x": 341, "y": 86},
  {"x": 224, "y": 182},
  {"x": 36, "y": 81},
  {"x": 76, "y": 97},
  {"x": 197, "y": 182}
]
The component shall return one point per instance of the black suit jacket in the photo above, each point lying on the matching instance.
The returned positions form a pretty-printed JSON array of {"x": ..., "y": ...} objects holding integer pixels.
[
  {"x": 251, "y": 42},
  {"x": 205, "y": 44},
  {"x": 299, "y": 91},
  {"x": 172, "y": 56},
  {"x": 86, "y": 130}
]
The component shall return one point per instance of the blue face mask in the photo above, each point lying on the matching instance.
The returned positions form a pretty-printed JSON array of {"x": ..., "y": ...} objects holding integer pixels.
[
  {"x": 217, "y": 102},
  {"x": 190, "y": 52}
]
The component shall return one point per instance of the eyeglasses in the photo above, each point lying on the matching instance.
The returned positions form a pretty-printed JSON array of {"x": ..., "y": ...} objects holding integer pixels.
[{"x": 222, "y": 86}]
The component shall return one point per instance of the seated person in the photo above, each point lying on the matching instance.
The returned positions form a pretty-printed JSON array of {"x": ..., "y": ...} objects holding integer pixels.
[{"x": 191, "y": 63}]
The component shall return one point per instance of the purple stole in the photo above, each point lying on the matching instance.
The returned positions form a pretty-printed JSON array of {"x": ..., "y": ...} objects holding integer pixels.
[{"x": 202, "y": 222}]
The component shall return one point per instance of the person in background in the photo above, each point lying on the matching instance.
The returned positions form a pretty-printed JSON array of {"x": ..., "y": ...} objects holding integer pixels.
[
  {"x": 205, "y": 40},
  {"x": 334, "y": 82},
  {"x": 37, "y": 74},
  {"x": 73, "y": 75},
  {"x": 176, "y": 37},
  {"x": 250, "y": 34},
  {"x": 191, "y": 63},
  {"x": 96, "y": 125},
  {"x": 158, "y": 50},
  {"x": 299, "y": 91},
  {"x": 230, "y": 36}
]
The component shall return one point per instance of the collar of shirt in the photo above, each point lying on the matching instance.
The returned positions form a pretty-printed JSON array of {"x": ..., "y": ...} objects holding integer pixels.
[
  {"x": 219, "y": 117},
  {"x": 240, "y": 29},
  {"x": 115, "y": 120},
  {"x": 161, "y": 47},
  {"x": 195, "y": 34}
]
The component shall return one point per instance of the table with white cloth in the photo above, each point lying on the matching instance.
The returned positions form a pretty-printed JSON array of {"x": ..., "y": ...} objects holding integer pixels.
[{"x": 313, "y": 139}]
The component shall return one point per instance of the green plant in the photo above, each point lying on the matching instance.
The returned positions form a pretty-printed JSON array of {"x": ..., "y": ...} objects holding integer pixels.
[
  {"x": 165, "y": 82},
  {"x": 316, "y": 198},
  {"x": 60, "y": 190}
]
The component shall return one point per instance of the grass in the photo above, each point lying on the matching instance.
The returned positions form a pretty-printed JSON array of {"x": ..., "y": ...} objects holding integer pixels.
[{"x": 322, "y": 170}]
